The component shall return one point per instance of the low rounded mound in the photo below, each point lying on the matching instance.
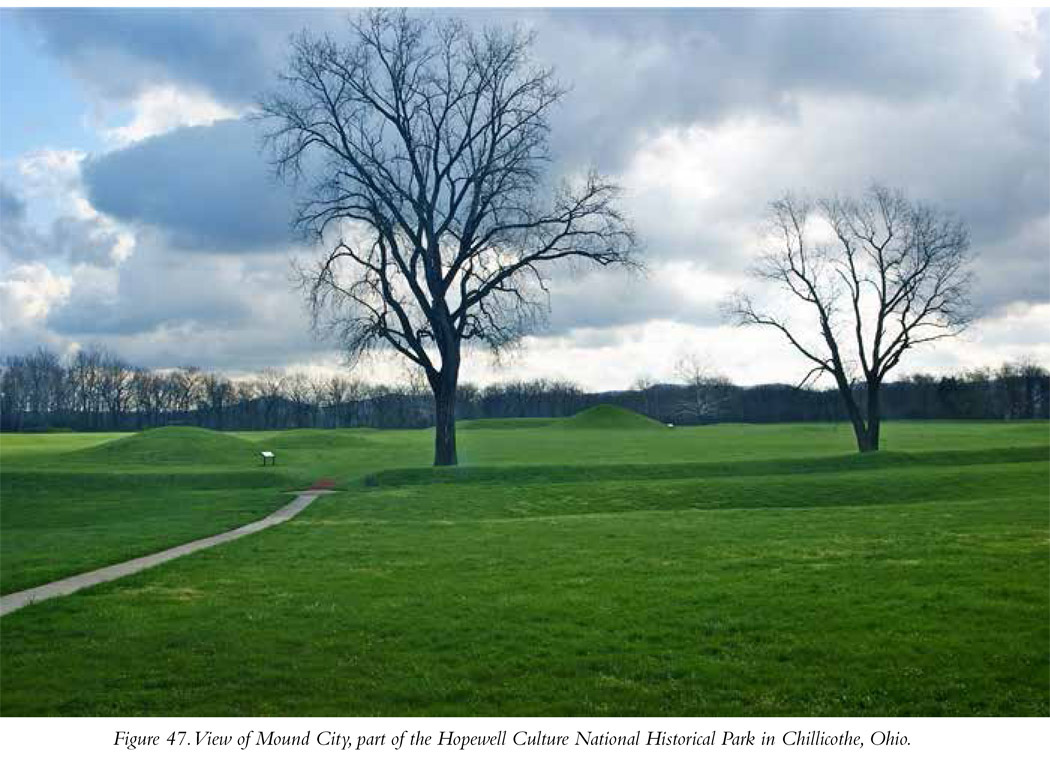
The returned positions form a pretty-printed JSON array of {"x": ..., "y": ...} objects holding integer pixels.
[
  {"x": 517, "y": 423},
  {"x": 306, "y": 439},
  {"x": 172, "y": 445},
  {"x": 609, "y": 417}
]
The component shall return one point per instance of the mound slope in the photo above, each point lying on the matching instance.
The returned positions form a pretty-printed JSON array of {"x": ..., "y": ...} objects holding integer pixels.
[
  {"x": 172, "y": 445},
  {"x": 608, "y": 417},
  {"x": 313, "y": 438},
  {"x": 514, "y": 423}
]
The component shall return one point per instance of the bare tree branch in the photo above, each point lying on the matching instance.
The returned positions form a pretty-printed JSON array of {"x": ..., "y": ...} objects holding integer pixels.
[
  {"x": 421, "y": 147},
  {"x": 903, "y": 268}
]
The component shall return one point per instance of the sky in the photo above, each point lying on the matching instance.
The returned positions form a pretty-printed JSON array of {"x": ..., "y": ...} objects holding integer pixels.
[{"x": 137, "y": 211}]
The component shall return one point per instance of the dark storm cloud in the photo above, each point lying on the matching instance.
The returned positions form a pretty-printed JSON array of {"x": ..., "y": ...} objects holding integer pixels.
[
  {"x": 208, "y": 188},
  {"x": 119, "y": 52}
]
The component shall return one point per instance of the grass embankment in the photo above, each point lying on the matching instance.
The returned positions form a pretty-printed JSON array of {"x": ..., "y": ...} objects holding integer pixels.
[
  {"x": 169, "y": 446},
  {"x": 729, "y": 570},
  {"x": 606, "y": 417},
  {"x": 70, "y": 507}
]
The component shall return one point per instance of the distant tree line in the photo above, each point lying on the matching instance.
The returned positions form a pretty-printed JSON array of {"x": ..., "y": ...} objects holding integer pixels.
[{"x": 95, "y": 390}]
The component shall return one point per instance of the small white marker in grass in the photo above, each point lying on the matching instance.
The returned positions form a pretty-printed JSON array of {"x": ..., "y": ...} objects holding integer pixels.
[{"x": 268, "y": 457}]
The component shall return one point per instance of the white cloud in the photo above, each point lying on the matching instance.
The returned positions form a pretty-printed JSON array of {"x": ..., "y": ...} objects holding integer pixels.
[
  {"x": 1019, "y": 332},
  {"x": 700, "y": 192},
  {"x": 28, "y": 292},
  {"x": 51, "y": 178},
  {"x": 612, "y": 359},
  {"x": 55, "y": 221},
  {"x": 162, "y": 108}
]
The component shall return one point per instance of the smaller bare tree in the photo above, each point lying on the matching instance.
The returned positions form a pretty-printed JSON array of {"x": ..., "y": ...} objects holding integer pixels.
[
  {"x": 892, "y": 275},
  {"x": 186, "y": 390},
  {"x": 708, "y": 391},
  {"x": 270, "y": 388},
  {"x": 645, "y": 386},
  {"x": 218, "y": 394},
  {"x": 116, "y": 388},
  {"x": 299, "y": 394}
]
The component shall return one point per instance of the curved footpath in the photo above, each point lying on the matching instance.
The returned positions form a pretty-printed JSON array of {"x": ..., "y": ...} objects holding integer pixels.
[{"x": 72, "y": 584}]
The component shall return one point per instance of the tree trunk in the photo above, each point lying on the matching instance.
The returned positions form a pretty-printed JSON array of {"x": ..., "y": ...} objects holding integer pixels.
[
  {"x": 445, "y": 419},
  {"x": 445, "y": 383},
  {"x": 874, "y": 417},
  {"x": 860, "y": 432}
]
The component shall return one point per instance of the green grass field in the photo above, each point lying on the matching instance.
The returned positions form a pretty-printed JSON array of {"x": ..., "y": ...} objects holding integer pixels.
[{"x": 603, "y": 566}]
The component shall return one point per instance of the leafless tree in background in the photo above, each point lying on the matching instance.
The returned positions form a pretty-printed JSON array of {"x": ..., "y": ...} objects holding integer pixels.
[
  {"x": 708, "y": 391},
  {"x": 186, "y": 389},
  {"x": 423, "y": 146},
  {"x": 116, "y": 387},
  {"x": 39, "y": 390},
  {"x": 270, "y": 386},
  {"x": 219, "y": 394},
  {"x": 298, "y": 390},
  {"x": 647, "y": 388},
  {"x": 894, "y": 275},
  {"x": 149, "y": 393}
]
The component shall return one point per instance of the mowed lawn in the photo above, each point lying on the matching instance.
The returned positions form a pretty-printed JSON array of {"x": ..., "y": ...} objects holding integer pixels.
[{"x": 600, "y": 569}]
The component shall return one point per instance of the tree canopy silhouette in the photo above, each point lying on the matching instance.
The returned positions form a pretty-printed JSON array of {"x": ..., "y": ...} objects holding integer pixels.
[
  {"x": 422, "y": 145},
  {"x": 888, "y": 275}
]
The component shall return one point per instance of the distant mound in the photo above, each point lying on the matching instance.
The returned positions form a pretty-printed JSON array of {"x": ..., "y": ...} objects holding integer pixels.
[
  {"x": 172, "y": 445},
  {"x": 608, "y": 417},
  {"x": 306, "y": 439},
  {"x": 518, "y": 423}
]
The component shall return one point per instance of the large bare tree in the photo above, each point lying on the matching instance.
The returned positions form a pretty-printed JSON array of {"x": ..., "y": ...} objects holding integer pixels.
[
  {"x": 878, "y": 275},
  {"x": 422, "y": 145}
]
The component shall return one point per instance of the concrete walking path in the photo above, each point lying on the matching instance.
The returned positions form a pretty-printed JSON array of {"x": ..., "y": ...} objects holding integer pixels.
[{"x": 69, "y": 585}]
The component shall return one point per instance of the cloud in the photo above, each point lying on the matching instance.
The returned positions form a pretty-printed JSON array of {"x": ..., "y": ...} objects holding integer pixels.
[
  {"x": 17, "y": 240},
  {"x": 164, "y": 108},
  {"x": 12, "y": 208},
  {"x": 703, "y": 115},
  {"x": 243, "y": 314},
  {"x": 1014, "y": 270},
  {"x": 151, "y": 290},
  {"x": 120, "y": 53},
  {"x": 700, "y": 193},
  {"x": 79, "y": 237},
  {"x": 630, "y": 69},
  {"x": 207, "y": 188},
  {"x": 28, "y": 293},
  {"x": 613, "y": 358},
  {"x": 678, "y": 291},
  {"x": 1017, "y": 332},
  {"x": 707, "y": 115},
  {"x": 635, "y": 70}
]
